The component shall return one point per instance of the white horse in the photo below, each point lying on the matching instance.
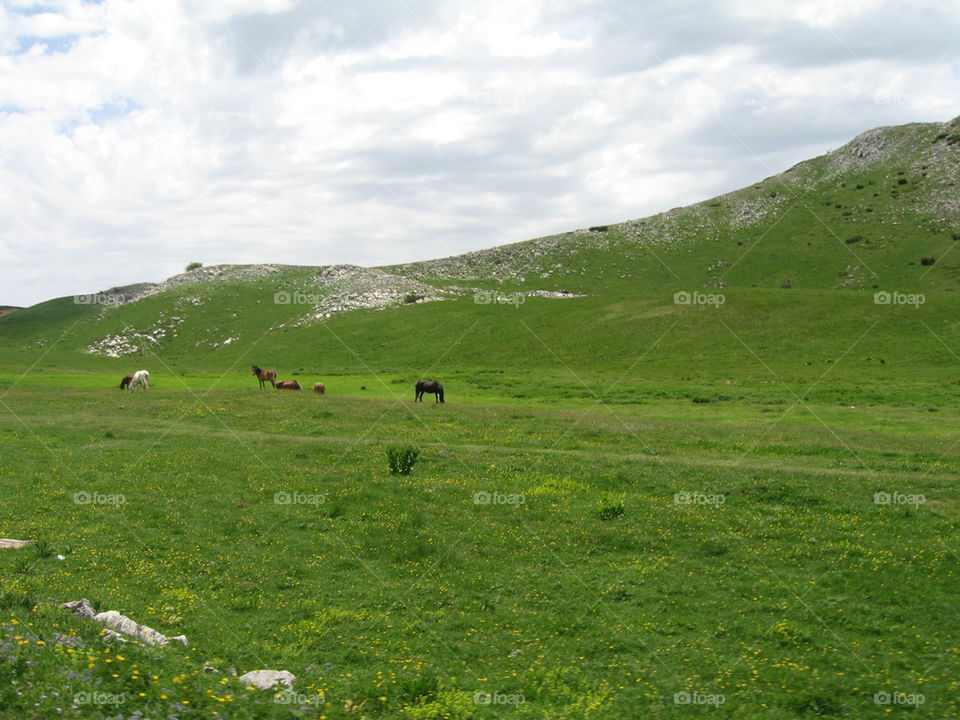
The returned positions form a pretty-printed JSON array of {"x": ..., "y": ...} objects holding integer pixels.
[{"x": 141, "y": 378}]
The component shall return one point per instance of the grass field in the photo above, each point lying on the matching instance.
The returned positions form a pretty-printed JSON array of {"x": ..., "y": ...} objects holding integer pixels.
[
  {"x": 547, "y": 557},
  {"x": 720, "y": 482}
]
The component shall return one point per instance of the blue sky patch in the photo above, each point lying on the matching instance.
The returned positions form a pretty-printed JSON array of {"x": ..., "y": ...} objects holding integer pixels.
[{"x": 113, "y": 108}]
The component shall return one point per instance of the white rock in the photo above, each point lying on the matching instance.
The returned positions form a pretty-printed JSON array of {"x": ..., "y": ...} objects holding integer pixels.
[
  {"x": 121, "y": 623},
  {"x": 266, "y": 679},
  {"x": 11, "y": 543},
  {"x": 116, "y": 622}
]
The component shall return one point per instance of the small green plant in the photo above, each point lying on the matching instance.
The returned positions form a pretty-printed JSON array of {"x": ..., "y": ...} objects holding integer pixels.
[
  {"x": 42, "y": 549},
  {"x": 194, "y": 266},
  {"x": 402, "y": 458},
  {"x": 611, "y": 508}
]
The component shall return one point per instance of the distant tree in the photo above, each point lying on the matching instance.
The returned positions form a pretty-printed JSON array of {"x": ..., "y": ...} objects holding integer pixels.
[{"x": 194, "y": 266}]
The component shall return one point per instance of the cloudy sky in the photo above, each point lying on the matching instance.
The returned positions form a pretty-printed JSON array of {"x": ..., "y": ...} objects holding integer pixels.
[{"x": 139, "y": 135}]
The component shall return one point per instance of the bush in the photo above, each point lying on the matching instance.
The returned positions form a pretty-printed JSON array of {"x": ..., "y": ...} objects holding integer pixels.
[
  {"x": 402, "y": 458},
  {"x": 610, "y": 508},
  {"x": 194, "y": 266}
]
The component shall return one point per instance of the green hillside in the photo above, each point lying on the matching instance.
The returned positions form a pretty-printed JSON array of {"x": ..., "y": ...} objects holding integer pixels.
[{"x": 780, "y": 274}]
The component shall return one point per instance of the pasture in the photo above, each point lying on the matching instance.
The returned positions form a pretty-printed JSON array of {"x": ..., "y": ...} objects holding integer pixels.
[{"x": 556, "y": 552}]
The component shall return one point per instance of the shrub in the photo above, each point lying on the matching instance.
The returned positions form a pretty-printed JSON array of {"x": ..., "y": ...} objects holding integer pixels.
[
  {"x": 193, "y": 266},
  {"x": 402, "y": 458},
  {"x": 610, "y": 508}
]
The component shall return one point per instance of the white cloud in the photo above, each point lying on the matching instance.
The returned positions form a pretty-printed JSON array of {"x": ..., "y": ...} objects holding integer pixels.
[{"x": 369, "y": 132}]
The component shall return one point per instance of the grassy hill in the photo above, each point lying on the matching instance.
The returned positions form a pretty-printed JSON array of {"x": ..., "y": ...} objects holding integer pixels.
[{"x": 795, "y": 260}]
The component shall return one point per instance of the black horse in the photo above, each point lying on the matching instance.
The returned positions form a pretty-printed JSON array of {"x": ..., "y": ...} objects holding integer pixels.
[{"x": 428, "y": 386}]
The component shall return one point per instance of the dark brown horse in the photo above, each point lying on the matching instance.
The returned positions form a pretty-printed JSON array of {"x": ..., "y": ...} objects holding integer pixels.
[
  {"x": 127, "y": 379},
  {"x": 265, "y": 376},
  {"x": 287, "y": 385},
  {"x": 428, "y": 386}
]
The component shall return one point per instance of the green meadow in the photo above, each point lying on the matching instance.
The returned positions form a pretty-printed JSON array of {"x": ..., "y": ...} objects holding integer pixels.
[
  {"x": 721, "y": 482},
  {"x": 739, "y": 557}
]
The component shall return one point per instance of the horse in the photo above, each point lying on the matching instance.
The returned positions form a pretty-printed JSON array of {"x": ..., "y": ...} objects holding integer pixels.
[
  {"x": 319, "y": 388},
  {"x": 428, "y": 386},
  {"x": 125, "y": 382},
  {"x": 287, "y": 385},
  {"x": 265, "y": 376},
  {"x": 141, "y": 378}
]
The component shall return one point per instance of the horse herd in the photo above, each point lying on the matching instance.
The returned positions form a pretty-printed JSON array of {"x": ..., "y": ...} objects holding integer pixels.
[{"x": 141, "y": 380}]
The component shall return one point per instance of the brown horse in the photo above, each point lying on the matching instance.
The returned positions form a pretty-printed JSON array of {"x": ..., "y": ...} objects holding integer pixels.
[
  {"x": 287, "y": 385},
  {"x": 319, "y": 388},
  {"x": 265, "y": 376},
  {"x": 127, "y": 379}
]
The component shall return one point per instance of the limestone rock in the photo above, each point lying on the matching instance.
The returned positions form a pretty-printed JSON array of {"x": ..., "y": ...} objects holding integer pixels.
[{"x": 266, "y": 679}]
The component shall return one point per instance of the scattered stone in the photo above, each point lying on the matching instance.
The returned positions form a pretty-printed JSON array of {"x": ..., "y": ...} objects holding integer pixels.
[
  {"x": 266, "y": 679},
  {"x": 11, "y": 543},
  {"x": 117, "y": 623}
]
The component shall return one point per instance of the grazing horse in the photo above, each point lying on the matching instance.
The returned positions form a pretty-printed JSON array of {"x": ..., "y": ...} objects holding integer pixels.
[
  {"x": 287, "y": 385},
  {"x": 319, "y": 388},
  {"x": 428, "y": 386},
  {"x": 125, "y": 382},
  {"x": 265, "y": 376},
  {"x": 141, "y": 379}
]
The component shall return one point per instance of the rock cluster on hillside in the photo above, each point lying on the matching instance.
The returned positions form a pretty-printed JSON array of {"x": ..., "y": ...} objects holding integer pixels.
[
  {"x": 130, "y": 341},
  {"x": 340, "y": 288}
]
